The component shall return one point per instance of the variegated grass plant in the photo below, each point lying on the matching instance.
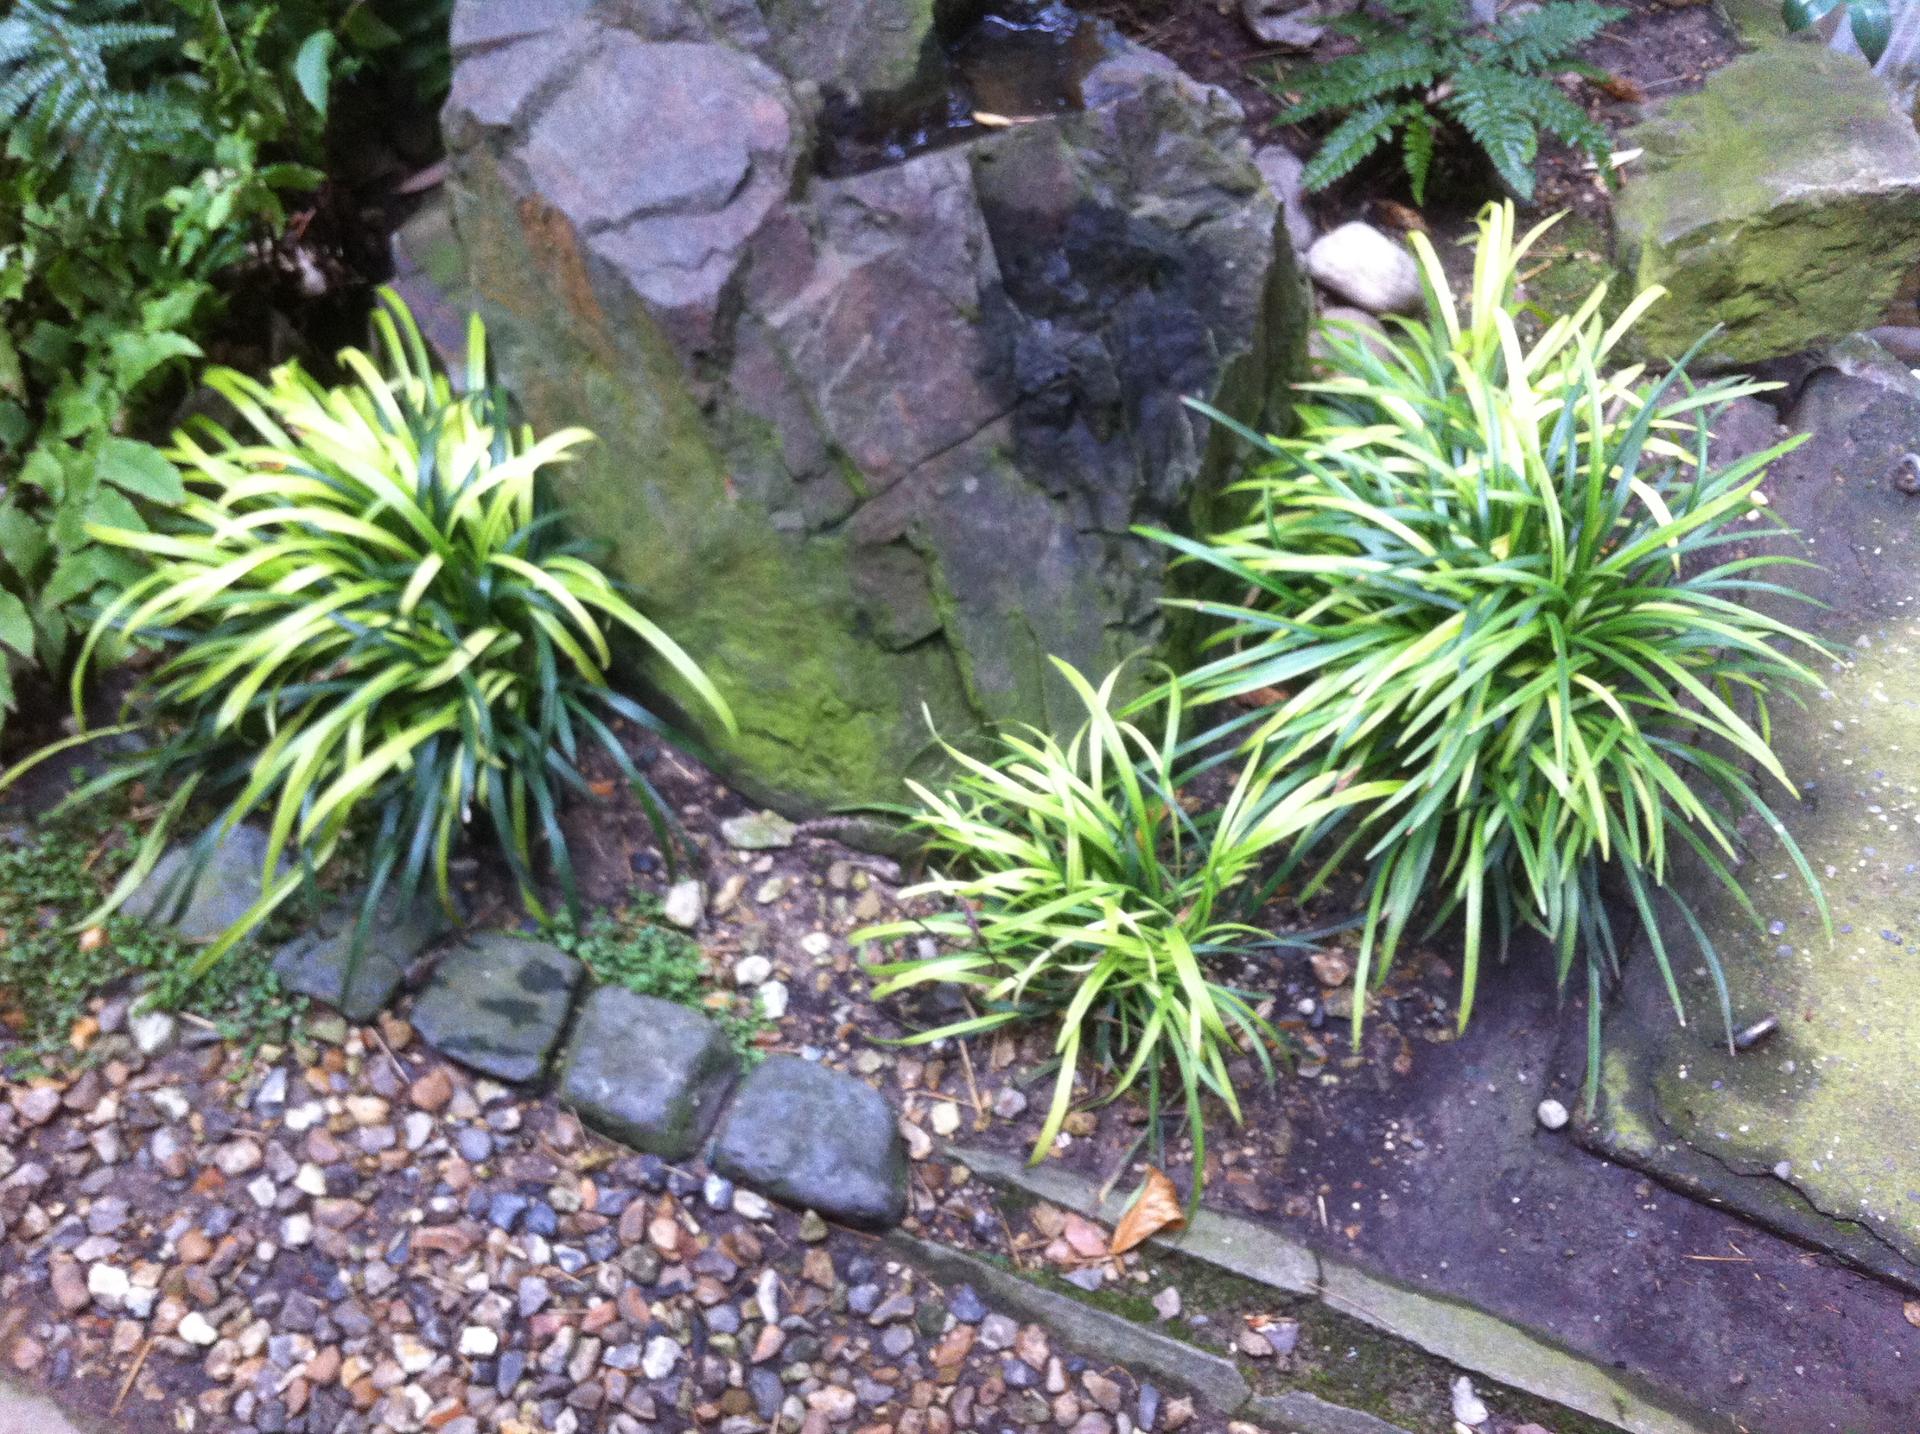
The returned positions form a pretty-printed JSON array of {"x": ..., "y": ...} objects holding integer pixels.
[
  {"x": 371, "y": 625},
  {"x": 1076, "y": 888},
  {"x": 1510, "y": 583}
]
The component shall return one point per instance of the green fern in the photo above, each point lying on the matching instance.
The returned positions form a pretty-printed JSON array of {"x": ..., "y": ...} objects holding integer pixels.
[
  {"x": 1431, "y": 72},
  {"x": 65, "y": 107}
]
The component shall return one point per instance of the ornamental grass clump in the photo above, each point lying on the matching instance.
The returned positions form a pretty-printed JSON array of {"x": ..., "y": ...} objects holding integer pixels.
[
  {"x": 1512, "y": 586},
  {"x": 1078, "y": 889},
  {"x": 373, "y": 632}
]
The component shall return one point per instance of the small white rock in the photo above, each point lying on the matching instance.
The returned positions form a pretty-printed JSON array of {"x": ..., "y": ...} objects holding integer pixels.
[
  {"x": 752, "y": 970},
  {"x": 686, "y": 903},
  {"x": 310, "y": 1179},
  {"x": 1468, "y": 1407},
  {"x": 1551, "y": 1114},
  {"x": 1369, "y": 269},
  {"x": 816, "y": 943},
  {"x": 944, "y": 1118},
  {"x": 296, "y": 1231},
  {"x": 478, "y": 1342},
  {"x": 195, "y": 1329},
  {"x": 412, "y": 1355},
  {"x": 773, "y": 1000},
  {"x": 749, "y": 1206},
  {"x": 263, "y": 1191},
  {"x": 108, "y": 1284},
  {"x": 152, "y": 1031},
  {"x": 662, "y": 1354}
]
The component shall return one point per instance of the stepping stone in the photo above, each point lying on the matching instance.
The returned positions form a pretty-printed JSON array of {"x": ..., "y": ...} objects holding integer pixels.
[
  {"x": 647, "y": 1072},
  {"x": 1791, "y": 222},
  {"x": 201, "y": 906},
  {"x": 817, "y": 1139},
  {"x": 1812, "y": 1130},
  {"x": 324, "y": 964},
  {"x": 498, "y": 1003}
]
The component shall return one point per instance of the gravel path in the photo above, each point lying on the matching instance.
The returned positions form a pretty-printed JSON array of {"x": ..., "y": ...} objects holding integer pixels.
[{"x": 356, "y": 1236}]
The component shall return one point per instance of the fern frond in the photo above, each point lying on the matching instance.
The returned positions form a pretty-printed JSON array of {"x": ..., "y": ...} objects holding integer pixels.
[
  {"x": 1560, "y": 117},
  {"x": 1403, "y": 63},
  {"x": 1352, "y": 140},
  {"x": 1491, "y": 106},
  {"x": 63, "y": 109},
  {"x": 1533, "y": 40},
  {"x": 1416, "y": 150}
]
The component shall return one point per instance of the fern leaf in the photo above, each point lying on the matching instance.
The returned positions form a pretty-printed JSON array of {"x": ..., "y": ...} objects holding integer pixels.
[
  {"x": 1531, "y": 41},
  {"x": 1352, "y": 140},
  {"x": 1491, "y": 106},
  {"x": 1416, "y": 149},
  {"x": 63, "y": 110},
  {"x": 1404, "y": 63},
  {"x": 1559, "y": 116}
]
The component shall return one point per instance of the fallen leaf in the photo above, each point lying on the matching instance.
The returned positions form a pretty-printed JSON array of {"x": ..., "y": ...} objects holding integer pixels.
[
  {"x": 1085, "y": 1239},
  {"x": 83, "y": 1032},
  {"x": 1620, "y": 87},
  {"x": 1911, "y": 1309},
  {"x": 991, "y": 120},
  {"x": 1400, "y": 216},
  {"x": 1155, "y": 1208}
]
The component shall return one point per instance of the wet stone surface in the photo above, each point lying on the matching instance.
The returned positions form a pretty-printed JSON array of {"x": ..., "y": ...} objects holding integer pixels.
[
  {"x": 357, "y": 975},
  {"x": 646, "y": 1072},
  {"x": 818, "y": 1138},
  {"x": 1812, "y": 1127},
  {"x": 498, "y": 1003},
  {"x": 202, "y": 902}
]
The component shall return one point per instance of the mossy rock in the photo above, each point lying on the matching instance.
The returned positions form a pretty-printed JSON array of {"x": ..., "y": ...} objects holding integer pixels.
[{"x": 1781, "y": 202}]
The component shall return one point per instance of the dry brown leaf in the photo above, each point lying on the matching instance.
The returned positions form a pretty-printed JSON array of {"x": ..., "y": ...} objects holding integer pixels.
[
  {"x": 1400, "y": 216},
  {"x": 1620, "y": 87},
  {"x": 1911, "y": 1309},
  {"x": 1154, "y": 1209}
]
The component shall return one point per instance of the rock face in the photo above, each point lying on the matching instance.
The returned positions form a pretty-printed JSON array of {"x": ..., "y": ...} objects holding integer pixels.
[
  {"x": 815, "y": 1138},
  {"x": 1813, "y": 1129},
  {"x": 872, "y": 439},
  {"x": 1790, "y": 221},
  {"x": 498, "y": 1003},
  {"x": 647, "y": 1072}
]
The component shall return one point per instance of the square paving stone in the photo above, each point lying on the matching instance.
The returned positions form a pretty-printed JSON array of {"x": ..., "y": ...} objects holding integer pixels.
[
  {"x": 816, "y": 1138},
  {"x": 324, "y": 964},
  {"x": 200, "y": 905},
  {"x": 647, "y": 1072},
  {"x": 498, "y": 1003}
]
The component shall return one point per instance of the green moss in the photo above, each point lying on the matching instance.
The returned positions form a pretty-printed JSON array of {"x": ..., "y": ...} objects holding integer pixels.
[
  {"x": 1788, "y": 222},
  {"x": 51, "y": 876}
]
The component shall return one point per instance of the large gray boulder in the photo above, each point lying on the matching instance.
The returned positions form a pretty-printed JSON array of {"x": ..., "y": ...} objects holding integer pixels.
[
  {"x": 1787, "y": 221},
  {"x": 876, "y": 421}
]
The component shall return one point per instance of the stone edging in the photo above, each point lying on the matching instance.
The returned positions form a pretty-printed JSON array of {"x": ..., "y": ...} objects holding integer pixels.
[
  {"x": 1468, "y": 1338},
  {"x": 1145, "y": 1352},
  {"x": 656, "y": 1076}
]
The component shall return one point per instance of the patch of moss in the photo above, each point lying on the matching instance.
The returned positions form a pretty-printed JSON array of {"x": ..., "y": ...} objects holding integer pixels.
[{"x": 51, "y": 965}]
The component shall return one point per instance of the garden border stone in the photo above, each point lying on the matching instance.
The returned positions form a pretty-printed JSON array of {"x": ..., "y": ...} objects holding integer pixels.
[
  {"x": 647, "y": 1072},
  {"x": 498, "y": 1003},
  {"x": 1471, "y": 1339}
]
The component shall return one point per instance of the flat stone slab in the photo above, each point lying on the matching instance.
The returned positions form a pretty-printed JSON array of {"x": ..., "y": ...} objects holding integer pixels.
[
  {"x": 358, "y": 978},
  {"x": 22, "y": 1412},
  {"x": 1814, "y": 1130},
  {"x": 498, "y": 1003},
  {"x": 1790, "y": 220},
  {"x": 816, "y": 1138},
  {"x": 200, "y": 906},
  {"x": 647, "y": 1072}
]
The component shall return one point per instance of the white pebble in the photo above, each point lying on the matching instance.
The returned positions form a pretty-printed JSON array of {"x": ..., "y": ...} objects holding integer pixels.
[
  {"x": 1551, "y": 1114},
  {"x": 195, "y": 1329},
  {"x": 478, "y": 1342}
]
